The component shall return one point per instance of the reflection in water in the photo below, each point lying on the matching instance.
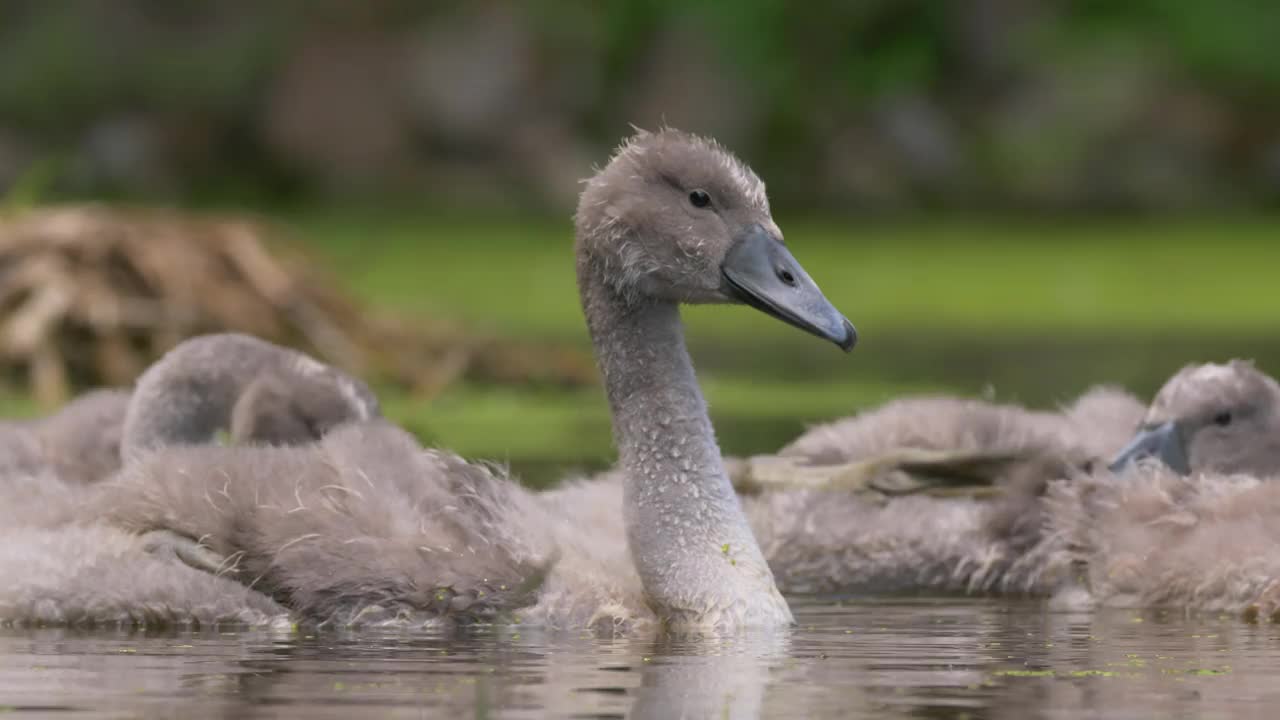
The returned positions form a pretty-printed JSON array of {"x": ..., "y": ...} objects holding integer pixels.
[{"x": 885, "y": 658}]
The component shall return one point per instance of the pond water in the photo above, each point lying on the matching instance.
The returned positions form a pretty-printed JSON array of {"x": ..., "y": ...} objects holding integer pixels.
[{"x": 881, "y": 658}]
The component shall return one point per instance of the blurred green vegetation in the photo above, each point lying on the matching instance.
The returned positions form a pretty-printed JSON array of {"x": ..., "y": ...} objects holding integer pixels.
[
  {"x": 516, "y": 276},
  {"x": 874, "y": 107},
  {"x": 867, "y": 48},
  {"x": 881, "y": 104},
  {"x": 1025, "y": 310},
  {"x": 1019, "y": 310}
]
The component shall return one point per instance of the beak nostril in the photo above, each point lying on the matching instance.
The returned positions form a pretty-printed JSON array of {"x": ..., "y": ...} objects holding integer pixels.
[{"x": 759, "y": 271}]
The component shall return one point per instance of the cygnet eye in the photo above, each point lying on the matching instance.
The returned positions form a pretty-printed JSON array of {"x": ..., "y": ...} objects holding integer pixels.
[
  {"x": 1222, "y": 419},
  {"x": 699, "y": 198}
]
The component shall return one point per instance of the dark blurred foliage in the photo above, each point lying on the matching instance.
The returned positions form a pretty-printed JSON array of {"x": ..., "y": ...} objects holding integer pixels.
[{"x": 864, "y": 105}]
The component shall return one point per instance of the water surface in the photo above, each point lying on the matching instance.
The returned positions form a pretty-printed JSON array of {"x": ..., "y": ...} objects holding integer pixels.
[{"x": 886, "y": 658}]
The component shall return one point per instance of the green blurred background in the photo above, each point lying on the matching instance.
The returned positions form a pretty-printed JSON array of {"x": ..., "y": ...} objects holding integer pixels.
[{"x": 1010, "y": 198}]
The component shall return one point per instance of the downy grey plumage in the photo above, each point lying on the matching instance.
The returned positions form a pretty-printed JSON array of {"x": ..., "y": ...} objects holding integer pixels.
[
  {"x": 80, "y": 443},
  {"x": 1199, "y": 533},
  {"x": 60, "y": 564}
]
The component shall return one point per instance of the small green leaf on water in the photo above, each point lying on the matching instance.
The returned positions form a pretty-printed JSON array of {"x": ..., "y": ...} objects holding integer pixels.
[
  {"x": 1206, "y": 671},
  {"x": 339, "y": 686},
  {"x": 725, "y": 548},
  {"x": 1024, "y": 673},
  {"x": 1092, "y": 673}
]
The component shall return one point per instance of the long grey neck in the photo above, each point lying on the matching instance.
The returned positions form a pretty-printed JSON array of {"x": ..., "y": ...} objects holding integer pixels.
[
  {"x": 696, "y": 556},
  {"x": 189, "y": 394}
]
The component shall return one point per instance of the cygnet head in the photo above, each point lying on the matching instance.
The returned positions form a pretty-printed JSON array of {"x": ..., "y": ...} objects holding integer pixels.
[
  {"x": 263, "y": 392},
  {"x": 1224, "y": 418},
  {"x": 291, "y": 407},
  {"x": 674, "y": 217}
]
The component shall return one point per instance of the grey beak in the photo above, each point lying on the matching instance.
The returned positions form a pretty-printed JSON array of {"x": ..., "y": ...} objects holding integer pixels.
[
  {"x": 1163, "y": 442},
  {"x": 760, "y": 271}
]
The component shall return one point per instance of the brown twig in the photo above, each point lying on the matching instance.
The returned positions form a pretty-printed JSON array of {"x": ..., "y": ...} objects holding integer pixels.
[{"x": 90, "y": 295}]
